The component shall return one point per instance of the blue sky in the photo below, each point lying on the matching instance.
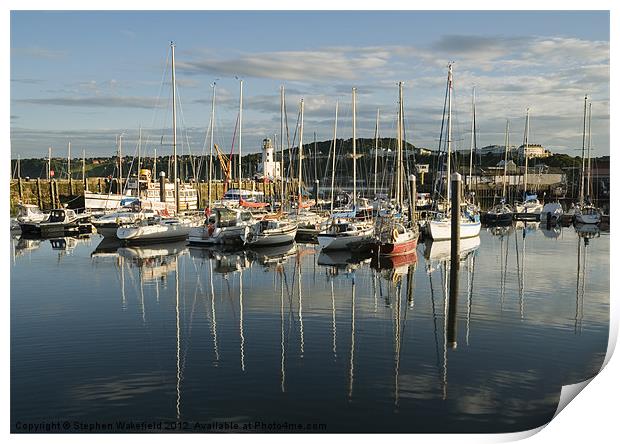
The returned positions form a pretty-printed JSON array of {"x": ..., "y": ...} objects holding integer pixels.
[{"x": 85, "y": 77}]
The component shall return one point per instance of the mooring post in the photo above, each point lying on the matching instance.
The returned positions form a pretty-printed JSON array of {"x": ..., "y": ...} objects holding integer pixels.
[
  {"x": 455, "y": 243},
  {"x": 413, "y": 197},
  {"x": 99, "y": 185},
  {"x": 20, "y": 191},
  {"x": 162, "y": 186}
]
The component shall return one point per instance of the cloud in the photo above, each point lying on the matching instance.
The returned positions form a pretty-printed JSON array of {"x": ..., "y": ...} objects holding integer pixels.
[
  {"x": 39, "y": 52},
  {"x": 316, "y": 65},
  {"x": 96, "y": 102}
]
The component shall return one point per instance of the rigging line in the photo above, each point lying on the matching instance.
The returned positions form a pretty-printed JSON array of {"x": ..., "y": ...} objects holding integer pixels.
[{"x": 161, "y": 87}]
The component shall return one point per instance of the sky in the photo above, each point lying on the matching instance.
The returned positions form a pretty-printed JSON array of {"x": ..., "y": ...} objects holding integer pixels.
[{"x": 86, "y": 77}]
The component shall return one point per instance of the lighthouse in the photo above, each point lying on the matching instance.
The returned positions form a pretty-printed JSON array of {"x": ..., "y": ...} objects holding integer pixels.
[{"x": 268, "y": 168}]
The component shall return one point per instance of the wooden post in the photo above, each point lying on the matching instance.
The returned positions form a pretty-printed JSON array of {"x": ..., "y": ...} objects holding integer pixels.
[
  {"x": 162, "y": 186},
  {"x": 20, "y": 191},
  {"x": 455, "y": 242},
  {"x": 39, "y": 200},
  {"x": 99, "y": 185}
]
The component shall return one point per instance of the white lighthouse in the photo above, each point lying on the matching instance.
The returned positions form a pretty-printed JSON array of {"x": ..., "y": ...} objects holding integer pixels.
[{"x": 268, "y": 168}]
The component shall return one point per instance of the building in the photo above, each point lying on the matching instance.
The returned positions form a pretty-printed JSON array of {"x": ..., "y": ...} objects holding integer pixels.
[
  {"x": 268, "y": 168},
  {"x": 534, "y": 150}
]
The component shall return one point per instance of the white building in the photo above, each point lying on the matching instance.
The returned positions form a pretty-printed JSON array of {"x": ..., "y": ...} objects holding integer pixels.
[
  {"x": 534, "y": 150},
  {"x": 268, "y": 168}
]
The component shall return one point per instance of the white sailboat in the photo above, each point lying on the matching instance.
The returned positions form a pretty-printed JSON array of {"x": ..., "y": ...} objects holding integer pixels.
[
  {"x": 585, "y": 212},
  {"x": 531, "y": 206},
  {"x": 502, "y": 213},
  {"x": 439, "y": 227},
  {"x": 347, "y": 232},
  {"x": 276, "y": 229}
]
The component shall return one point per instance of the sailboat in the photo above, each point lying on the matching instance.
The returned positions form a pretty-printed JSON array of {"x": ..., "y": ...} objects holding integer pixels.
[
  {"x": 585, "y": 212},
  {"x": 531, "y": 206},
  {"x": 344, "y": 230},
  {"x": 439, "y": 226},
  {"x": 502, "y": 212},
  {"x": 276, "y": 229},
  {"x": 163, "y": 227},
  {"x": 396, "y": 234}
]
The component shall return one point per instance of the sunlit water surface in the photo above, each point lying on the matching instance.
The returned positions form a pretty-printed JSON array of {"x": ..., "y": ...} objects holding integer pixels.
[{"x": 176, "y": 334}]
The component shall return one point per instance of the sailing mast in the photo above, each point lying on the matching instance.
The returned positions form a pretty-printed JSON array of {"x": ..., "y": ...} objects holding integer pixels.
[
  {"x": 240, "y": 120},
  {"x": 506, "y": 145},
  {"x": 49, "y": 163},
  {"x": 301, "y": 148},
  {"x": 120, "y": 164},
  {"x": 526, "y": 149},
  {"x": 334, "y": 160},
  {"x": 376, "y": 150},
  {"x": 84, "y": 170},
  {"x": 139, "y": 159},
  {"x": 69, "y": 161},
  {"x": 174, "y": 132},
  {"x": 211, "y": 146},
  {"x": 589, "y": 180},
  {"x": 449, "y": 135},
  {"x": 354, "y": 91},
  {"x": 473, "y": 136},
  {"x": 282, "y": 148},
  {"x": 399, "y": 147}
]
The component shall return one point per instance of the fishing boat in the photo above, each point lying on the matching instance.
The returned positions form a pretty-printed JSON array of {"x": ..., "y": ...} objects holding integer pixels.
[
  {"x": 438, "y": 226},
  {"x": 27, "y": 213},
  {"x": 157, "y": 229},
  {"x": 350, "y": 228},
  {"x": 59, "y": 222}
]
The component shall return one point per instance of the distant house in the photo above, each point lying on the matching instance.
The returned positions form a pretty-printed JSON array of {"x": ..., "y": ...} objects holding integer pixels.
[
  {"x": 534, "y": 150},
  {"x": 511, "y": 167}
]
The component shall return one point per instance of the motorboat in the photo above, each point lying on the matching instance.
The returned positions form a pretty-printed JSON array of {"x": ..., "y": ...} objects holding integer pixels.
[
  {"x": 345, "y": 234},
  {"x": 551, "y": 213},
  {"x": 157, "y": 229},
  {"x": 270, "y": 231},
  {"x": 59, "y": 222},
  {"x": 501, "y": 213},
  {"x": 28, "y": 213},
  {"x": 224, "y": 226}
]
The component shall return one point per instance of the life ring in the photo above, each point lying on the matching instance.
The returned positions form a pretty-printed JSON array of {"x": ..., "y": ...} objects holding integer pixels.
[{"x": 394, "y": 234}]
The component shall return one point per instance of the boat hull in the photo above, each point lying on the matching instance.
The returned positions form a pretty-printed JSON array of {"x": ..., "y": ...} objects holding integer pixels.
[
  {"x": 343, "y": 242},
  {"x": 153, "y": 233},
  {"x": 442, "y": 230},
  {"x": 591, "y": 219},
  {"x": 219, "y": 236},
  {"x": 398, "y": 248},
  {"x": 279, "y": 237}
]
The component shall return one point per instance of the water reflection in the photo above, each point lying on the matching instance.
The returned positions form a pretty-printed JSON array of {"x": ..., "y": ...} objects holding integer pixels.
[{"x": 333, "y": 334}]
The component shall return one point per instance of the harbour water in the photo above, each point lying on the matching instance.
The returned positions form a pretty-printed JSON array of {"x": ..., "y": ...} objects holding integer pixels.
[{"x": 185, "y": 336}]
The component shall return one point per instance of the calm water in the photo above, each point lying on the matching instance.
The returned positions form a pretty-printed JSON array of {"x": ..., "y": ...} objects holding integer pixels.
[{"x": 101, "y": 334}]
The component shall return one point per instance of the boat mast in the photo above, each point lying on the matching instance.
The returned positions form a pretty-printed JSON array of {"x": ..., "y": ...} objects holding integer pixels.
[
  {"x": 49, "y": 163},
  {"x": 282, "y": 148},
  {"x": 120, "y": 164},
  {"x": 353, "y": 93},
  {"x": 69, "y": 161},
  {"x": 139, "y": 159},
  {"x": 155, "y": 164},
  {"x": 240, "y": 120},
  {"x": 583, "y": 149},
  {"x": 449, "y": 154},
  {"x": 506, "y": 145},
  {"x": 174, "y": 133},
  {"x": 301, "y": 149},
  {"x": 526, "y": 150},
  {"x": 211, "y": 145},
  {"x": 589, "y": 180},
  {"x": 399, "y": 146},
  {"x": 84, "y": 170},
  {"x": 376, "y": 150},
  {"x": 473, "y": 136},
  {"x": 334, "y": 161}
]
